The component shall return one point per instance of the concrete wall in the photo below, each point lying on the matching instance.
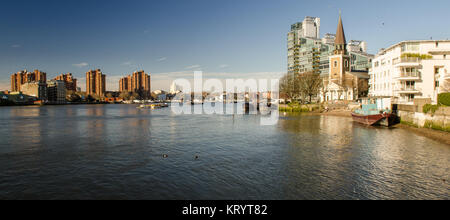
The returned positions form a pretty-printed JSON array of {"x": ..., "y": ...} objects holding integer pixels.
[
  {"x": 420, "y": 102},
  {"x": 408, "y": 108},
  {"x": 441, "y": 117}
]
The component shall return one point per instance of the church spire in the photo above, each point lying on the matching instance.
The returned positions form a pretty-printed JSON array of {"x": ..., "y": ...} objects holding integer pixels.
[{"x": 340, "y": 41}]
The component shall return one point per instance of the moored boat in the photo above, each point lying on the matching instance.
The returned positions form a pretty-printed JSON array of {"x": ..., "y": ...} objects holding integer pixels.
[
  {"x": 154, "y": 106},
  {"x": 370, "y": 115}
]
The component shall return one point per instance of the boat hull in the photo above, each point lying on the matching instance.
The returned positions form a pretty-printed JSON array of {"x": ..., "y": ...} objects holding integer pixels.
[{"x": 379, "y": 119}]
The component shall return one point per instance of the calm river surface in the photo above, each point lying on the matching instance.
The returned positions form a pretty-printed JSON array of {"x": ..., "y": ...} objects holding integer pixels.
[{"x": 115, "y": 152}]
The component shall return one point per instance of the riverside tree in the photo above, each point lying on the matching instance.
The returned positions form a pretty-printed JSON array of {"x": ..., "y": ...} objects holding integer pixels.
[
  {"x": 310, "y": 84},
  {"x": 302, "y": 86},
  {"x": 289, "y": 85}
]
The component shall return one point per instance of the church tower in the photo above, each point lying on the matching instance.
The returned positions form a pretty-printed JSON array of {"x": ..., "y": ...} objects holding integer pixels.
[{"x": 340, "y": 61}]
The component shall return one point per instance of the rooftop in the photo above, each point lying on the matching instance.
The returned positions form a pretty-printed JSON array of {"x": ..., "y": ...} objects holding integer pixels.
[{"x": 412, "y": 41}]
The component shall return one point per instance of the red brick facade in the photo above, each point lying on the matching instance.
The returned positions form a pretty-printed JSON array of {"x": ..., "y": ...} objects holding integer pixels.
[
  {"x": 22, "y": 77},
  {"x": 95, "y": 83},
  {"x": 139, "y": 81},
  {"x": 69, "y": 81}
]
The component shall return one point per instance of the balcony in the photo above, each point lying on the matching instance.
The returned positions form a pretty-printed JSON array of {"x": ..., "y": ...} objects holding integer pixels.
[
  {"x": 408, "y": 90},
  {"x": 409, "y": 76},
  {"x": 407, "y": 61}
]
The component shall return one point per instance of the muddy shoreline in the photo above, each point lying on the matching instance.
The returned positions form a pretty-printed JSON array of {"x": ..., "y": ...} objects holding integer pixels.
[{"x": 440, "y": 136}]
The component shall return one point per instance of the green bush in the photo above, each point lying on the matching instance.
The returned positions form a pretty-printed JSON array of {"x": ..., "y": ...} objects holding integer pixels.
[
  {"x": 420, "y": 56},
  {"x": 297, "y": 108},
  {"x": 444, "y": 99},
  {"x": 430, "y": 108}
]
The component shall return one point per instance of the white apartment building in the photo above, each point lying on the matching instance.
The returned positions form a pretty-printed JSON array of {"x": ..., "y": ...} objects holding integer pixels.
[{"x": 409, "y": 70}]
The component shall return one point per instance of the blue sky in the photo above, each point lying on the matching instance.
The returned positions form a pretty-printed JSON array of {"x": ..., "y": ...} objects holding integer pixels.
[{"x": 236, "y": 38}]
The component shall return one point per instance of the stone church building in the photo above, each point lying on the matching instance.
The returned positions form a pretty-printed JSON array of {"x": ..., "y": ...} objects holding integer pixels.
[{"x": 342, "y": 83}]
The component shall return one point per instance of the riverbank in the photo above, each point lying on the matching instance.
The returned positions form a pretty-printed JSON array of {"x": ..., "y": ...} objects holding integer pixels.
[
  {"x": 61, "y": 104},
  {"x": 340, "y": 113},
  {"x": 440, "y": 136},
  {"x": 297, "y": 108}
]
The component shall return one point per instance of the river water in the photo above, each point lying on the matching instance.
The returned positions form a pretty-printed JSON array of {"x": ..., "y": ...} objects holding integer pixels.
[{"x": 116, "y": 152}]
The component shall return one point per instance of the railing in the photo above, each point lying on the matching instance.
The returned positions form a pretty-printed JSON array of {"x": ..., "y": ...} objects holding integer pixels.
[
  {"x": 407, "y": 89},
  {"x": 406, "y": 60},
  {"x": 409, "y": 75}
]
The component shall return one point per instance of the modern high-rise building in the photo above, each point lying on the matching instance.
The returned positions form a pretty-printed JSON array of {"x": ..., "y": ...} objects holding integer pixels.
[
  {"x": 35, "y": 89},
  {"x": 409, "y": 70},
  {"x": 56, "y": 91},
  {"x": 69, "y": 81},
  {"x": 309, "y": 27},
  {"x": 22, "y": 77},
  {"x": 125, "y": 84},
  {"x": 95, "y": 83},
  {"x": 139, "y": 81},
  {"x": 307, "y": 52}
]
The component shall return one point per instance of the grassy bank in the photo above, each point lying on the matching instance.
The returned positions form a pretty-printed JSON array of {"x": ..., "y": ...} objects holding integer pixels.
[
  {"x": 428, "y": 125},
  {"x": 407, "y": 123},
  {"x": 436, "y": 126},
  {"x": 437, "y": 135},
  {"x": 294, "y": 107}
]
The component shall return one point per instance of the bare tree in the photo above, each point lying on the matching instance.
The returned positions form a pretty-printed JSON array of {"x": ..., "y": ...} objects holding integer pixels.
[
  {"x": 289, "y": 85},
  {"x": 310, "y": 84},
  {"x": 125, "y": 95},
  {"x": 363, "y": 87}
]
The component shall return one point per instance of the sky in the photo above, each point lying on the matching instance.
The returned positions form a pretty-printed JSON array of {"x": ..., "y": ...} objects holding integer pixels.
[{"x": 172, "y": 38}]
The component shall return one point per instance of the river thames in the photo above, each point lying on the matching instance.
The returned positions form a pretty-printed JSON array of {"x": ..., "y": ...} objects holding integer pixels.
[{"x": 116, "y": 152}]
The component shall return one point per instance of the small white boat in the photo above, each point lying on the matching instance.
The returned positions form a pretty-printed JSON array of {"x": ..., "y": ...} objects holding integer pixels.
[{"x": 154, "y": 106}]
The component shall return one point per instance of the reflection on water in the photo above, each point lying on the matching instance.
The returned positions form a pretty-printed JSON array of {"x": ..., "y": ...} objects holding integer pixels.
[{"x": 115, "y": 152}]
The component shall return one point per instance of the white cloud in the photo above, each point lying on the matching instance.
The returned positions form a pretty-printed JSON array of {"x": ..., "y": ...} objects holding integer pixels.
[
  {"x": 16, "y": 46},
  {"x": 130, "y": 64},
  {"x": 161, "y": 59},
  {"x": 80, "y": 65},
  {"x": 223, "y": 66},
  {"x": 193, "y": 67}
]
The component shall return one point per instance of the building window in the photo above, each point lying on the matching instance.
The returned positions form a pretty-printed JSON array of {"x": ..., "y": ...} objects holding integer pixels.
[
  {"x": 410, "y": 85},
  {"x": 335, "y": 64},
  {"x": 410, "y": 47},
  {"x": 445, "y": 56},
  {"x": 436, "y": 70},
  {"x": 410, "y": 98},
  {"x": 437, "y": 44}
]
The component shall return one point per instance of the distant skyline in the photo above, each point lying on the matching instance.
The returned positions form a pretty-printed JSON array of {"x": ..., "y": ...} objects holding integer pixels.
[{"x": 173, "y": 38}]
